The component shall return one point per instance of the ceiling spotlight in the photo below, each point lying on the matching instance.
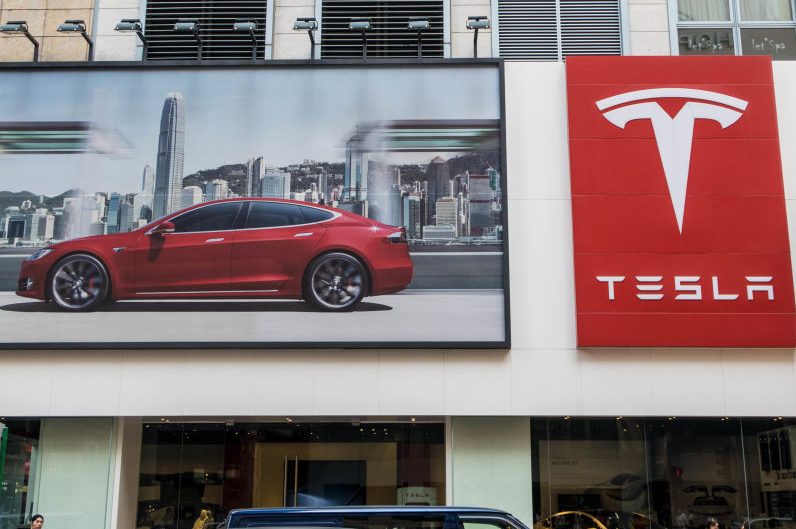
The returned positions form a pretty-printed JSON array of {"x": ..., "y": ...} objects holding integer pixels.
[
  {"x": 363, "y": 25},
  {"x": 475, "y": 23},
  {"x": 78, "y": 26},
  {"x": 308, "y": 24},
  {"x": 133, "y": 25},
  {"x": 190, "y": 25},
  {"x": 249, "y": 26},
  {"x": 20, "y": 26}
]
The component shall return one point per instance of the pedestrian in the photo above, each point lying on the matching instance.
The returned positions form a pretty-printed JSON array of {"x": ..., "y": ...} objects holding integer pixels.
[
  {"x": 37, "y": 522},
  {"x": 712, "y": 523}
]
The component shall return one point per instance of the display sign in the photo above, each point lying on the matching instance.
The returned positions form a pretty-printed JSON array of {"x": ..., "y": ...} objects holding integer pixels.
[
  {"x": 191, "y": 206},
  {"x": 680, "y": 232}
]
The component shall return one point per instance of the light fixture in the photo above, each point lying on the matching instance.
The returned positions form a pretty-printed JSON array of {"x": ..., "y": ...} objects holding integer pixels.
[
  {"x": 133, "y": 25},
  {"x": 78, "y": 26},
  {"x": 190, "y": 25},
  {"x": 308, "y": 24},
  {"x": 250, "y": 26},
  {"x": 20, "y": 26},
  {"x": 419, "y": 24},
  {"x": 475, "y": 23},
  {"x": 363, "y": 25}
]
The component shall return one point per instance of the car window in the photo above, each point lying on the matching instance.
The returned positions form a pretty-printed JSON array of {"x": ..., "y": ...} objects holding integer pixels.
[
  {"x": 209, "y": 218},
  {"x": 315, "y": 214},
  {"x": 273, "y": 214},
  {"x": 394, "y": 521}
]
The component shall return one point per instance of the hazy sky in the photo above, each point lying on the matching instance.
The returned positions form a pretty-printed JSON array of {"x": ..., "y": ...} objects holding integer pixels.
[{"x": 283, "y": 114}]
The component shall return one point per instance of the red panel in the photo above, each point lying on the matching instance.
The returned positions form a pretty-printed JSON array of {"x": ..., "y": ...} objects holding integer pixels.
[{"x": 734, "y": 224}]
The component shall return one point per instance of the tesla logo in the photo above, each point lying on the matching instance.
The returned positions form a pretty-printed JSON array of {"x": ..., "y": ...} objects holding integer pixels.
[{"x": 674, "y": 135}]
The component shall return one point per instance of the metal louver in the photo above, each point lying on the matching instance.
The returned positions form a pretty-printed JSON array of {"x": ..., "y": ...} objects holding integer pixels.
[
  {"x": 389, "y": 36},
  {"x": 215, "y": 17},
  {"x": 549, "y": 30}
]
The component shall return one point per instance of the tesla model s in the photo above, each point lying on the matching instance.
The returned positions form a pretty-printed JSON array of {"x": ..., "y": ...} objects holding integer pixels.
[{"x": 234, "y": 248}]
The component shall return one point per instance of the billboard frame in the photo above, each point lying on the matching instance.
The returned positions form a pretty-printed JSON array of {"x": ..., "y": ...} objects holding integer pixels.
[{"x": 496, "y": 63}]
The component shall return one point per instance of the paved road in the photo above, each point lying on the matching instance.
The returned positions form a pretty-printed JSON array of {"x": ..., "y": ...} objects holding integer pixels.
[
  {"x": 411, "y": 316},
  {"x": 433, "y": 270}
]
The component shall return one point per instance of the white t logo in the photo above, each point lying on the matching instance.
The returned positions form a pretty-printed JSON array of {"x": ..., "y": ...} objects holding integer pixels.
[{"x": 673, "y": 135}]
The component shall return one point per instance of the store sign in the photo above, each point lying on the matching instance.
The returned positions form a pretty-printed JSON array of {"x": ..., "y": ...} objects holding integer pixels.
[{"x": 680, "y": 230}]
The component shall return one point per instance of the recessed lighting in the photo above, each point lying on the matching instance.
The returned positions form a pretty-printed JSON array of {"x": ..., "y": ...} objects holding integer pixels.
[{"x": 413, "y": 419}]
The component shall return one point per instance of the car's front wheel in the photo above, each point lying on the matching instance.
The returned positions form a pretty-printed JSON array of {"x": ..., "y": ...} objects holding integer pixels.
[
  {"x": 335, "y": 281},
  {"x": 79, "y": 283}
]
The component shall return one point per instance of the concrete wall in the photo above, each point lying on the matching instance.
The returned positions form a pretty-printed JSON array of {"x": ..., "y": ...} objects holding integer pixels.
[
  {"x": 43, "y": 18},
  {"x": 648, "y": 27},
  {"x": 544, "y": 374}
]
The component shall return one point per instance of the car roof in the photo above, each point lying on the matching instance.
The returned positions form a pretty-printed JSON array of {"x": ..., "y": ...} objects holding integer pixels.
[{"x": 369, "y": 510}]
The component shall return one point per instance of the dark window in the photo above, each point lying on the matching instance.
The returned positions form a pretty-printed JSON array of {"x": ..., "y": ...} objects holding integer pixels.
[
  {"x": 217, "y": 217},
  {"x": 273, "y": 214},
  {"x": 387, "y": 521},
  {"x": 389, "y": 36},
  {"x": 315, "y": 214},
  {"x": 216, "y": 18}
]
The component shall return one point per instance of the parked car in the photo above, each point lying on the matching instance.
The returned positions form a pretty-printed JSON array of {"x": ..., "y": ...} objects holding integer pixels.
[
  {"x": 235, "y": 248},
  {"x": 373, "y": 518}
]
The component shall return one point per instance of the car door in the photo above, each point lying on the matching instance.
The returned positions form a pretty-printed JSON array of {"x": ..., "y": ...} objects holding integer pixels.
[
  {"x": 195, "y": 258},
  {"x": 274, "y": 243}
]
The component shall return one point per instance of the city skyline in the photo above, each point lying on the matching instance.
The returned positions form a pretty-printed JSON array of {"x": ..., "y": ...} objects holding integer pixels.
[{"x": 234, "y": 115}]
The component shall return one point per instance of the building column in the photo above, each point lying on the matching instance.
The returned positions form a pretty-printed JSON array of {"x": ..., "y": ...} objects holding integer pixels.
[{"x": 491, "y": 464}]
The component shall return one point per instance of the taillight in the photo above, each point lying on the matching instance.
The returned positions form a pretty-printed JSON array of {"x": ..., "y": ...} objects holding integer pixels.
[{"x": 397, "y": 237}]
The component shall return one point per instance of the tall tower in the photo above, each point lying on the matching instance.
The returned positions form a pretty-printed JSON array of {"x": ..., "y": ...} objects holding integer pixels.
[
  {"x": 439, "y": 185},
  {"x": 171, "y": 150},
  {"x": 255, "y": 170}
]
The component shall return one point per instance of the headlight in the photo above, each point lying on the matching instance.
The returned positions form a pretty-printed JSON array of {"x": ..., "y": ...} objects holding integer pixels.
[{"x": 38, "y": 254}]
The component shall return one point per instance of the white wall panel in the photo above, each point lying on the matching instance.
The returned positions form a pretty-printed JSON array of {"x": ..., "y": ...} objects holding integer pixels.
[{"x": 545, "y": 374}]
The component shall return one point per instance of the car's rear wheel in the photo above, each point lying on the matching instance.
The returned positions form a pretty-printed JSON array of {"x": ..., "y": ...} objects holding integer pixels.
[
  {"x": 79, "y": 283},
  {"x": 335, "y": 281}
]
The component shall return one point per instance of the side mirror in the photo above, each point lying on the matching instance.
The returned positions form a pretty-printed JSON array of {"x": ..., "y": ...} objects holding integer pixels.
[{"x": 162, "y": 229}]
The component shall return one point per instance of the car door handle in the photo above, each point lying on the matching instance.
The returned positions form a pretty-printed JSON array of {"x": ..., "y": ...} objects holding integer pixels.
[
  {"x": 303, "y": 234},
  {"x": 217, "y": 239}
]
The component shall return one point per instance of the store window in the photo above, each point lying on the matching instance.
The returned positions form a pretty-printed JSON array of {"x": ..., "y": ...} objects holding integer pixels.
[
  {"x": 196, "y": 472},
  {"x": 654, "y": 473},
  {"x": 736, "y": 27},
  {"x": 19, "y": 443}
]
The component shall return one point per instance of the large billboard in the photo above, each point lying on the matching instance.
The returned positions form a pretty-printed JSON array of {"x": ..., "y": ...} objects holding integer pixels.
[
  {"x": 678, "y": 204},
  {"x": 293, "y": 206}
]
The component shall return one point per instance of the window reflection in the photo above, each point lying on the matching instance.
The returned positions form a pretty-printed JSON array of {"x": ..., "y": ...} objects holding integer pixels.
[
  {"x": 654, "y": 473},
  {"x": 193, "y": 474}
]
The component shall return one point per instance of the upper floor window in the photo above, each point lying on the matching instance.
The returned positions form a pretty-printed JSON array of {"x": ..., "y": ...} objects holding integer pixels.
[
  {"x": 216, "y": 19},
  {"x": 389, "y": 35},
  {"x": 736, "y": 27},
  {"x": 550, "y": 30}
]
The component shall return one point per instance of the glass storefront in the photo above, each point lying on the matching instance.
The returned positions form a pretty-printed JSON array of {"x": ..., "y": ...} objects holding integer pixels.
[
  {"x": 19, "y": 442},
  {"x": 644, "y": 473},
  {"x": 192, "y": 474}
]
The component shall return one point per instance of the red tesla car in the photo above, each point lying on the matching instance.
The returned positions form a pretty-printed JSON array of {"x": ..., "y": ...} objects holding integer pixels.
[{"x": 236, "y": 248}]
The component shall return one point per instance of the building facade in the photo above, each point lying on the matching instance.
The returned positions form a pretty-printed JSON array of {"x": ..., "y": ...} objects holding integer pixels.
[{"x": 124, "y": 438}]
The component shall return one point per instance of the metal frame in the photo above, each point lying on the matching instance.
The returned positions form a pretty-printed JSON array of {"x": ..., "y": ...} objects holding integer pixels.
[
  {"x": 735, "y": 24},
  {"x": 491, "y": 63}
]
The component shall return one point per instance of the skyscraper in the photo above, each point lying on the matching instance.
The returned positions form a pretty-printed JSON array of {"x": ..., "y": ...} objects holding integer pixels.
[
  {"x": 113, "y": 213},
  {"x": 438, "y": 179},
  {"x": 171, "y": 150},
  {"x": 255, "y": 170},
  {"x": 216, "y": 189},
  {"x": 276, "y": 184},
  {"x": 191, "y": 195},
  {"x": 412, "y": 218}
]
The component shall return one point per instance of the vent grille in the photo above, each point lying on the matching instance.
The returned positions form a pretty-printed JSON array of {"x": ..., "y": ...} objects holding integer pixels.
[
  {"x": 530, "y": 29},
  {"x": 215, "y": 17},
  {"x": 388, "y": 37}
]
